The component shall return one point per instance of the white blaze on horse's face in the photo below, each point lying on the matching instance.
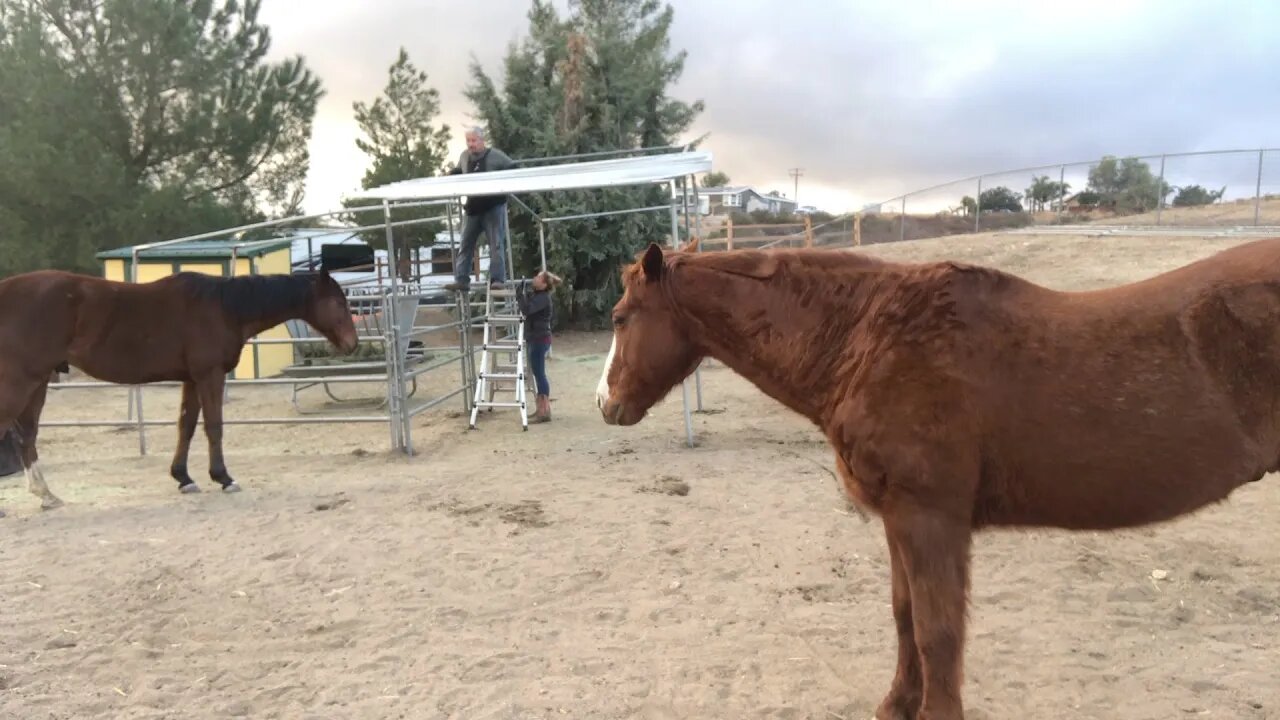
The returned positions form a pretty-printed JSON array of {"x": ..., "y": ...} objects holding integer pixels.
[{"x": 602, "y": 388}]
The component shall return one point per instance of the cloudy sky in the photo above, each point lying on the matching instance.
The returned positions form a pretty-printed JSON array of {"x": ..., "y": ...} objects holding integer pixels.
[{"x": 870, "y": 98}]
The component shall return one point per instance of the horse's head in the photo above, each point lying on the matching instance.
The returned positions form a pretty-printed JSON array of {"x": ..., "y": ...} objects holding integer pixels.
[
  {"x": 650, "y": 353},
  {"x": 328, "y": 312}
]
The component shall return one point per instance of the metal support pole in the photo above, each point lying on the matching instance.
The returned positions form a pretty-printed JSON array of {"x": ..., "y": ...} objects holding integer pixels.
[
  {"x": 542, "y": 242},
  {"x": 688, "y": 233},
  {"x": 464, "y": 342},
  {"x": 464, "y": 312},
  {"x": 977, "y": 208},
  {"x": 390, "y": 335},
  {"x": 136, "y": 390},
  {"x": 684, "y": 384},
  {"x": 506, "y": 241},
  {"x": 697, "y": 226},
  {"x": 1160, "y": 191},
  {"x": 453, "y": 239},
  {"x": 1257, "y": 191}
]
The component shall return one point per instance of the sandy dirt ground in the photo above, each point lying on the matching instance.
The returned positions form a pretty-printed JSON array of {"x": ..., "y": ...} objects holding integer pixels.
[{"x": 582, "y": 571}]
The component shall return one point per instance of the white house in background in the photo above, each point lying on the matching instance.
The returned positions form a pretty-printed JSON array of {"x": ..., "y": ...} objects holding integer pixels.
[{"x": 739, "y": 198}]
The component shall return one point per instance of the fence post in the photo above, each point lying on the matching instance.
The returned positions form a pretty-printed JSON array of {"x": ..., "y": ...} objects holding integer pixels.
[
  {"x": 808, "y": 232},
  {"x": 902, "y": 227},
  {"x": 857, "y": 229},
  {"x": 1160, "y": 191},
  {"x": 1257, "y": 191},
  {"x": 977, "y": 208},
  {"x": 729, "y": 229},
  {"x": 1062, "y": 189}
]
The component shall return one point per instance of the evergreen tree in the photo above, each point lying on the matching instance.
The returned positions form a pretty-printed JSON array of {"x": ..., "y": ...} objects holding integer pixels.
[
  {"x": 140, "y": 120},
  {"x": 595, "y": 80},
  {"x": 403, "y": 143}
]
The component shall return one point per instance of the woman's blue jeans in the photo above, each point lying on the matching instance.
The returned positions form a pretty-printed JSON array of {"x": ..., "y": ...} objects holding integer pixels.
[{"x": 538, "y": 350}]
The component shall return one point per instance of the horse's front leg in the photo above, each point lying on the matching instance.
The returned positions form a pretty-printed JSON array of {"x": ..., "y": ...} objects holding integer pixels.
[
  {"x": 210, "y": 391},
  {"x": 934, "y": 550},
  {"x": 903, "y": 700},
  {"x": 188, "y": 416}
]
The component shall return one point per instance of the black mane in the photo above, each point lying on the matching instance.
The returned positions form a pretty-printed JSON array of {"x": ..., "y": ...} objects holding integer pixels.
[{"x": 248, "y": 298}]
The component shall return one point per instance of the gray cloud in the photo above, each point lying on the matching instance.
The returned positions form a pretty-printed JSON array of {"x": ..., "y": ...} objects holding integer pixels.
[{"x": 877, "y": 98}]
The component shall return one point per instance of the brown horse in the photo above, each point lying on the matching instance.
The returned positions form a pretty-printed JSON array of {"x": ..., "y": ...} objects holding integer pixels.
[
  {"x": 958, "y": 398},
  {"x": 186, "y": 327}
]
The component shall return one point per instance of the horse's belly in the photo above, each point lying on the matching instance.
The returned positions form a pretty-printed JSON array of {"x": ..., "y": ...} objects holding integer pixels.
[
  {"x": 127, "y": 364},
  {"x": 1103, "y": 475}
]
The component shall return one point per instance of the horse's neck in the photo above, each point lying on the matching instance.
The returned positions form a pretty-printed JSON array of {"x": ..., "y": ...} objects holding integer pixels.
[
  {"x": 787, "y": 335},
  {"x": 270, "y": 318}
]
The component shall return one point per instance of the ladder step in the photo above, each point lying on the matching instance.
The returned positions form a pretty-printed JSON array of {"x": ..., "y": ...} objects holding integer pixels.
[
  {"x": 498, "y": 404},
  {"x": 502, "y": 347},
  {"x": 503, "y": 319},
  {"x": 501, "y": 376}
]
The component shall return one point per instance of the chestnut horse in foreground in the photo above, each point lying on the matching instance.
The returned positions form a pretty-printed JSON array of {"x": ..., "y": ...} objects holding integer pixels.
[
  {"x": 959, "y": 398},
  {"x": 186, "y": 327}
]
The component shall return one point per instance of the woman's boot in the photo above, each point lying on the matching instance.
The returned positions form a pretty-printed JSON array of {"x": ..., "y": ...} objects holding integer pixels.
[{"x": 543, "y": 412}]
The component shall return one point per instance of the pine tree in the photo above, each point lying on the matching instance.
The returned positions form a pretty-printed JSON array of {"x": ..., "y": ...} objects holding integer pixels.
[
  {"x": 141, "y": 120},
  {"x": 403, "y": 142},
  {"x": 595, "y": 80}
]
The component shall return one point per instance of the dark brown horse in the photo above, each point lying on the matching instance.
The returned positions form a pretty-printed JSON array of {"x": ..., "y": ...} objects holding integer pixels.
[
  {"x": 187, "y": 327},
  {"x": 958, "y": 398}
]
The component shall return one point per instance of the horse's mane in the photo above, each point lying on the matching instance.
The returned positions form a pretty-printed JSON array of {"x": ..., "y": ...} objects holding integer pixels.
[
  {"x": 804, "y": 268},
  {"x": 247, "y": 298}
]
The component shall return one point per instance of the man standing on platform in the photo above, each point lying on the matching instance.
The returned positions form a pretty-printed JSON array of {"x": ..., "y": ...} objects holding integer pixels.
[{"x": 483, "y": 212}]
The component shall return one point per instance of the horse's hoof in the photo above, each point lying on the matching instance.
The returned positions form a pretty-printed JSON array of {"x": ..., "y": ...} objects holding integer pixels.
[
  {"x": 231, "y": 487},
  {"x": 189, "y": 488},
  {"x": 51, "y": 504}
]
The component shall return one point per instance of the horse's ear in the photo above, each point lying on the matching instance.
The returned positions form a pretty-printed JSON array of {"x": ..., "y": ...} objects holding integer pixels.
[
  {"x": 690, "y": 246},
  {"x": 652, "y": 262}
]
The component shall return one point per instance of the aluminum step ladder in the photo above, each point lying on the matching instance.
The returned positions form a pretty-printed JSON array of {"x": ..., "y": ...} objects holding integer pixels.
[{"x": 503, "y": 354}]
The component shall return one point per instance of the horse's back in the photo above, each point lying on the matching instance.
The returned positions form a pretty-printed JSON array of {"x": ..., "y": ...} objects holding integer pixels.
[{"x": 1120, "y": 406}]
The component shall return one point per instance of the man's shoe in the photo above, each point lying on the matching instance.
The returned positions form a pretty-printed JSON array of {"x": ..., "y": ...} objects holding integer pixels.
[{"x": 457, "y": 287}]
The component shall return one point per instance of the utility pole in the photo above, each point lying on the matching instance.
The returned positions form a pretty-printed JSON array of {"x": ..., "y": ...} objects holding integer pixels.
[{"x": 796, "y": 173}]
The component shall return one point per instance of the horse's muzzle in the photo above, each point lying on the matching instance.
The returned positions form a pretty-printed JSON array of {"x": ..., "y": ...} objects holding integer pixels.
[
  {"x": 348, "y": 345},
  {"x": 616, "y": 414}
]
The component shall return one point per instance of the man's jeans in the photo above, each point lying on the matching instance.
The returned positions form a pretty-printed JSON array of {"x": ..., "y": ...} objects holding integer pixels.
[{"x": 494, "y": 224}]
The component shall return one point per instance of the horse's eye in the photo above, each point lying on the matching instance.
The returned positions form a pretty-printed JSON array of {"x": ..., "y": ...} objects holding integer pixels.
[{"x": 619, "y": 320}]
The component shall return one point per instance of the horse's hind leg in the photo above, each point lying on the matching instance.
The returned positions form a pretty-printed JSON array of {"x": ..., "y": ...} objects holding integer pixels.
[
  {"x": 903, "y": 700},
  {"x": 210, "y": 390},
  {"x": 188, "y": 416},
  {"x": 28, "y": 426},
  {"x": 934, "y": 549}
]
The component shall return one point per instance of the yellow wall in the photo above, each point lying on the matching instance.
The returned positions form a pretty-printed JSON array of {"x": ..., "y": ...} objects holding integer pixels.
[
  {"x": 206, "y": 268},
  {"x": 114, "y": 270},
  {"x": 275, "y": 263},
  {"x": 148, "y": 272}
]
